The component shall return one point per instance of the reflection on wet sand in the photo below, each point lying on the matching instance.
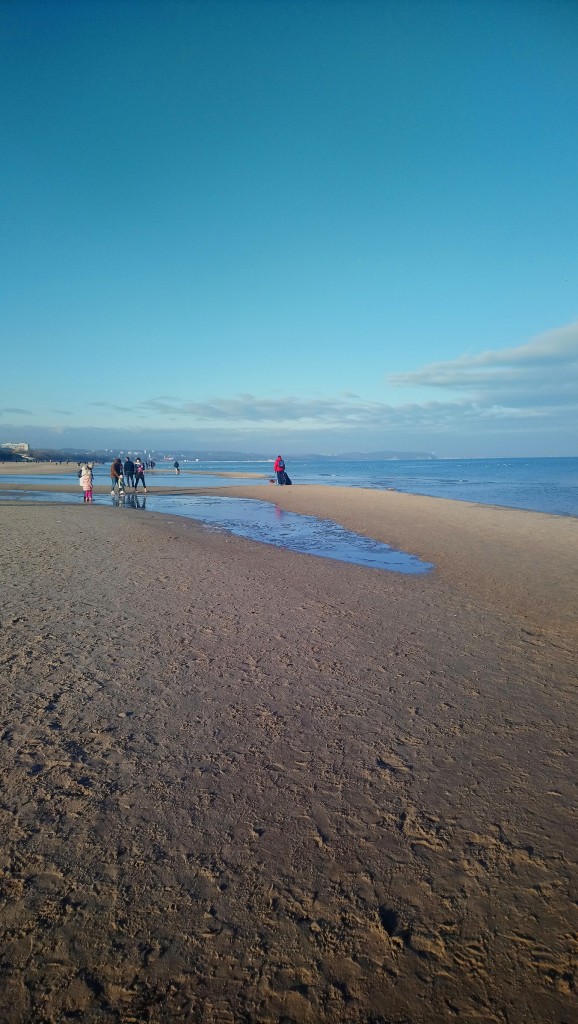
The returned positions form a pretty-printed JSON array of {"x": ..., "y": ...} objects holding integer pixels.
[
  {"x": 264, "y": 522},
  {"x": 129, "y": 500}
]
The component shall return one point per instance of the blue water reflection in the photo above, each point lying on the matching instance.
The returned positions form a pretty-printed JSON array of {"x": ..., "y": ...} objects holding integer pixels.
[
  {"x": 261, "y": 521},
  {"x": 268, "y": 523}
]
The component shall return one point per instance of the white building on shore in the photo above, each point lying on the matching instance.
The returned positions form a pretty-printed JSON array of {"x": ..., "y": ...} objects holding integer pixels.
[{"x": 16, "y": 446}]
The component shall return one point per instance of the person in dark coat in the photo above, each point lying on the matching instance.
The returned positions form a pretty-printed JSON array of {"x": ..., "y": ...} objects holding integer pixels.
[
  {"x": 116, "y": 478},
  {"x": 139, "y": 475},
  {"x": 129, "y": 471}
]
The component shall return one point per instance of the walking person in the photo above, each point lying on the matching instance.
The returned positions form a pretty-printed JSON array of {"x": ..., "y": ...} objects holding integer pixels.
[
  {"x": 139, "y": 475},
  {"x": 128, "y": 472},
  {"x": 177, "y": 468},
  {"x": 116, "y": 478}
]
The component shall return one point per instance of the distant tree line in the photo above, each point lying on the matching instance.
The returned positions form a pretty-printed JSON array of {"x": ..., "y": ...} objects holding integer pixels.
[{"x": 48, "y": 455}]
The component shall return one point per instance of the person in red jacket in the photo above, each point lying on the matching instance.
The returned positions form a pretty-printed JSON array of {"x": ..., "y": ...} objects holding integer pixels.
[{"x": 279, "y": 469}]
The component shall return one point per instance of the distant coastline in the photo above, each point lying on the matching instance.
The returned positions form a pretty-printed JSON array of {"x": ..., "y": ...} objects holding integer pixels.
[{"x": 41, "y": 454}]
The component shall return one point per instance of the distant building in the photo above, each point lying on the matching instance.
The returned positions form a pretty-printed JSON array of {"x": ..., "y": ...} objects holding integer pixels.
[{"x": 17, "y": 446}]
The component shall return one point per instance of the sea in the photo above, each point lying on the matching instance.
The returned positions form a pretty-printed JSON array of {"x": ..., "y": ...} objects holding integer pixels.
[{"x": 538, "y": 485}]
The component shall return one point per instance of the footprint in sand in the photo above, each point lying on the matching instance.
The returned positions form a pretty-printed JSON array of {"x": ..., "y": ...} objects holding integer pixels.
[{"x": 390, "y": 762}]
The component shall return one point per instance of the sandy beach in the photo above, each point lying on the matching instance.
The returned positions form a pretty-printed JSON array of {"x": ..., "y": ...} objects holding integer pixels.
[
  {"x": 26, "y": 469},
  {"x": 247, "y": 785}
]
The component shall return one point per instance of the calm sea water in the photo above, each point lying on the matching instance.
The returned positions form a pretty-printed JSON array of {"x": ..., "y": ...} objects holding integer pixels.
[{"x": 540, "y": 485}]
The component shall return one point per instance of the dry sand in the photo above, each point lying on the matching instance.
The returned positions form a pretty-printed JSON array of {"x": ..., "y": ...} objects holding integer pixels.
[{"x": 245, "y": 785}]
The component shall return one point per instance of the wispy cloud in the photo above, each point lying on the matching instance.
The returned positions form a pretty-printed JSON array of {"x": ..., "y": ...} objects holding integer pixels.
[
  {"x": 532, "y": 383},
  {"x": 345, "y": 416},
  {"x": 61, "y": 412},
  {"x": 528, "y": 389},
  {"x": 540, "y": 374},
  {"x": 15, "y": 412},
  {"x": 250, "y": 409},
  {"x": 110, "y": 405}
]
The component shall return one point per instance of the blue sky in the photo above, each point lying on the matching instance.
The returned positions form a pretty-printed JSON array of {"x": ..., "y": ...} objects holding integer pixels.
[{"x": 284, "y": 225}]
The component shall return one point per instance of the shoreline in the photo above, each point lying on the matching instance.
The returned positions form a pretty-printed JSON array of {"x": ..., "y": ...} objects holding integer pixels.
[
  {"x": 246, "y": 784},
  {"x": 60, "y": 468},
  {"x": 525, "y": 561},
  {"x": 159, "y": 478}
]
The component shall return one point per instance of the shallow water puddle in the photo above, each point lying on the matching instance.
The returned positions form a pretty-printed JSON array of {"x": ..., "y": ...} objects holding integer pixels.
[{"x": 264, "y": 522}]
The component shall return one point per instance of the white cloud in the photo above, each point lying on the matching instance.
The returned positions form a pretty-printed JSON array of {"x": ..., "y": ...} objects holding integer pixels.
[
  {"x": 524, "y": 392},
  {"x": 542, "y": 372},
  {"x": 251, "y": 410},
  {"x": 532, "y": 384}
]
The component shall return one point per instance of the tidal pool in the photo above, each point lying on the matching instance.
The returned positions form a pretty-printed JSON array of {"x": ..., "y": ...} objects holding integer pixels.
[{"x": 260, "y": 521}]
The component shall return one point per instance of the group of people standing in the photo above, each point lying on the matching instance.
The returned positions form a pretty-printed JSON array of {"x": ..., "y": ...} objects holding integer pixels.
[{"x": 128, "y": 475}]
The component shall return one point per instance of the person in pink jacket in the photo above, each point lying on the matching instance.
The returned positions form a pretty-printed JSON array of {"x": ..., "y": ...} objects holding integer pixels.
[
  {"x": 86, "y": 482},
  {"x": 279, "y": 469}
]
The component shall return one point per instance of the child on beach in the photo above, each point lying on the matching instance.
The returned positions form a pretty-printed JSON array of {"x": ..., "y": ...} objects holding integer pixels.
[{"x": 86, "y": 482}]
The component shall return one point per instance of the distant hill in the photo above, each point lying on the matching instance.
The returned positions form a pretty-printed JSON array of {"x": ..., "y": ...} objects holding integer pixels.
[
  {"x": 370, "y": 456},
  {"x": 62, "y": 455},
  {"x": 191, "y": 454},
  {"x": 233, "y": 456}
]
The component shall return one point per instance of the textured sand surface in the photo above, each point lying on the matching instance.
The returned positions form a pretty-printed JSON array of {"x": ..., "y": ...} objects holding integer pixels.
[{"x": 241, "y": 784}]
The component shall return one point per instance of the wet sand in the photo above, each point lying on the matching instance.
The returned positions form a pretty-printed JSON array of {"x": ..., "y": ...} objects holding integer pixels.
[
  {"x": 242, "y": 784},
  {"x": 26, "y": 469}
]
